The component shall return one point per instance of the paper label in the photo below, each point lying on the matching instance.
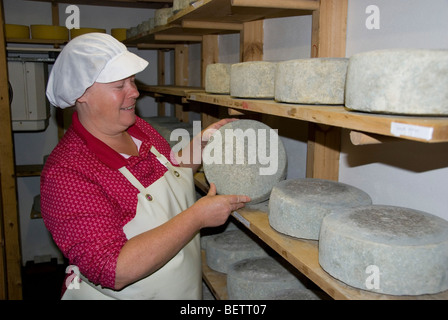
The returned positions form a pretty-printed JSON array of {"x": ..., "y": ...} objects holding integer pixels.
[
  {"x": 411, "y": 130},
  {"x": 241, "y": 219}
]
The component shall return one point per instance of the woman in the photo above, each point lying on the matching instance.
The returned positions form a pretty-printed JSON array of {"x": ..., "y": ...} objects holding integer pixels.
[{"x": 114, "y": 199}]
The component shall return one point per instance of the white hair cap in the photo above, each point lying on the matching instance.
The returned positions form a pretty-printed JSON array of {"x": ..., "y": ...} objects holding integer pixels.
[{"x": 89, "y": 58}]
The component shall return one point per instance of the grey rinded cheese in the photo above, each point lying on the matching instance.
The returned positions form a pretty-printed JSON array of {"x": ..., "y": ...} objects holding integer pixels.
[
  {"x": 398, "y": 81},
  {"x": 245, "y": 157},
  {"x": 311, "y": 81},
  {"x": 229, "y": 247},
  {"x": 386, "y": 249},
  {"x": 161, "y": 16},
  {"x": 178, "y": 5},
  {"x": 210, "y": 232},
  {"x": 254, "y": 79},
  {"x": 217, "y": 78},
  {"x": 258, "y": 278},
  {"x": 297, "y": 206}
]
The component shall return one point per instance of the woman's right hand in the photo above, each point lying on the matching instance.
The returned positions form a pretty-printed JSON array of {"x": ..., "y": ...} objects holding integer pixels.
[{"x": 214, "y": 210}]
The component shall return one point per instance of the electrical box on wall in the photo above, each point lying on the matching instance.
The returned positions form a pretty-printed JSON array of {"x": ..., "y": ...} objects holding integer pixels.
[{"x": 30, "y": 109}]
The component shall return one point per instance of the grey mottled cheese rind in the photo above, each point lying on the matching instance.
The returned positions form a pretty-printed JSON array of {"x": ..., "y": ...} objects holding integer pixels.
[
  {"x": 217, "y": 78},
  {"x": 230, "y": 247},
  {"x": 258, "y": 278},
  {"x": 398, "y": 81},
  {"x": 386, "y": 249},
  {"x": 249, "y": 159},
  {"x": 297, "y": 206},
  {"x": 161, "y": 16},
  {"x": 254, "y": 79},
  {"x": 311, "y": 81}
]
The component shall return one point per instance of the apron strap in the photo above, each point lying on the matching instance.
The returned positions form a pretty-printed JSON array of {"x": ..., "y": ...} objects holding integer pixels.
[{"x": 132, "y": 179}]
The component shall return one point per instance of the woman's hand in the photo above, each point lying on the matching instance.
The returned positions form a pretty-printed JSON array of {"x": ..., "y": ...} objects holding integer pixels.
[{"x": 213, "y": 210}]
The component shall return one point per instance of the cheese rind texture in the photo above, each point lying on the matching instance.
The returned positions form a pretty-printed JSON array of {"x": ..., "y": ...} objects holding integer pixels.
[
  {"x": 398, "y": 81},
  {"x": 254, "y": 79},
  {"x": 258, "y": 278},
  {"x": 217, "y": 78},
  {"x": 311, "y": 81},
  {"x": 245, "y": 157},
  {"x": 229, "y": 247},
  {"x": 386, "y": 249},
  {"x": 297, "y": 206}
]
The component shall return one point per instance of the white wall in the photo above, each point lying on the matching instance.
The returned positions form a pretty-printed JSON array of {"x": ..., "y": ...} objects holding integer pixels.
[{"x": 406, "y": 173}]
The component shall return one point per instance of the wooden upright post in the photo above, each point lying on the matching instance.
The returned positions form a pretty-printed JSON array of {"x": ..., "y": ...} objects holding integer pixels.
[
  {"x": 181, "y": 76},
  {"x": 251, "y": 41},
  {"x": 328, "y": 40},
  {"x": 11, "y": 259}
]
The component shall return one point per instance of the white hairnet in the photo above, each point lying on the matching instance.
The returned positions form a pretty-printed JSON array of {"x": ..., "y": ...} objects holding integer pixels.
[{"x": 89, "y": 58}]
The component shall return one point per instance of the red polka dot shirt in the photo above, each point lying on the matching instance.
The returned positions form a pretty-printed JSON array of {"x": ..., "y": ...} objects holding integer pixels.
[{"x": 86, "y": 201}]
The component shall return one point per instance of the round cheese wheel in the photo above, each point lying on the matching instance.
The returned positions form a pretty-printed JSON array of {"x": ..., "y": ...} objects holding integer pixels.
[
  {"x": 297, "y": 206},
  {"x": 229, "y": 247},
  {"x": 254, "y": 79},
  {"x": 217, "y": 78},
  {"x": 311, "y": 81},
  {"x": 161, "y": 16},
  {"x": 398, "y": 81},
  {"x": 49, "y": 32},
  {"x": 245, "y": 157},
  {"x": 386, "y": 249},
  {"x": 258, "y": 278},
  {"x": 77, "y": 32}
]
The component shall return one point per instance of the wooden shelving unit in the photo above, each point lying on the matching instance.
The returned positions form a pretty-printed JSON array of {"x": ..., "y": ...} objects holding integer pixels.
[
  {"x": 202, "y": 22},
  {"x": 301, "y": 253}
]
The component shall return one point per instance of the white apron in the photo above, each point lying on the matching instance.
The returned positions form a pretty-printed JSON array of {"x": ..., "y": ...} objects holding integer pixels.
[{"x": 179, "y": 278}]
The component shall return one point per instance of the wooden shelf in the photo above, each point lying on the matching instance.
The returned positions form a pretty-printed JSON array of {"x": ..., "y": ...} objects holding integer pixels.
[
  {"x": 170, "y": 90},
  {"x": 30, "y": 170},
  {"x": 206, "y": 17},
  {"x": 411, "y": 127},
  {"x": 144, "y": 4},
  {"x": 37, "y": 41},
  {"x": 303, "y": 254},
  {"x": 216, "y": 281}
]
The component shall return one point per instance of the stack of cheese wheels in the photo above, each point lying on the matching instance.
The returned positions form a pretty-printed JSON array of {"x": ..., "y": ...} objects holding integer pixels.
[
  {"x": 254, "y": 79},
  {"x": 398, "y": 81},
  {"x": 161, "y": 16},
  {"x": 297, "y": 206},
  {"x": 229, "y": 247},
  {"x": 311, "y": 81},
  {"x": 245, "y": 157},
  {"x": 208, "y": 233},
  {"x": 386, "y": 249},
  {"x": 259, "y": 278},
  {"x": 78, "y": 32},
  {"x": 217, "y": 78}
]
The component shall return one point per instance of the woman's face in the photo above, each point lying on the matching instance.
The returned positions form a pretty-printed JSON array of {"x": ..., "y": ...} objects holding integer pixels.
[{"x": 110, "y": 107}]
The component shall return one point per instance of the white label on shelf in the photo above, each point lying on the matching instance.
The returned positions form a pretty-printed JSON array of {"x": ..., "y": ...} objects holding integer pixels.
[
  {"x": 241, "y": 219},
  {"x": 411, "y": 130},
  {"x": 197, "y": 4},
  {"x": 192, "y": 97}
]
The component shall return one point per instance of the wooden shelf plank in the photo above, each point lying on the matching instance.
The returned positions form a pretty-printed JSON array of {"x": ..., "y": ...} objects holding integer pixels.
[
  {"x": 303, "y": 254},
  {"x": 217, "y": 17},
  {"x": 223, "y": 11},
  {"x": 144, "y": 4},
  {"x": 216, "y": 281},
  {"x": 170, "y": 90},
  {"x": 30, "y": 170},
  {"x": 338, "y": 116}
]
